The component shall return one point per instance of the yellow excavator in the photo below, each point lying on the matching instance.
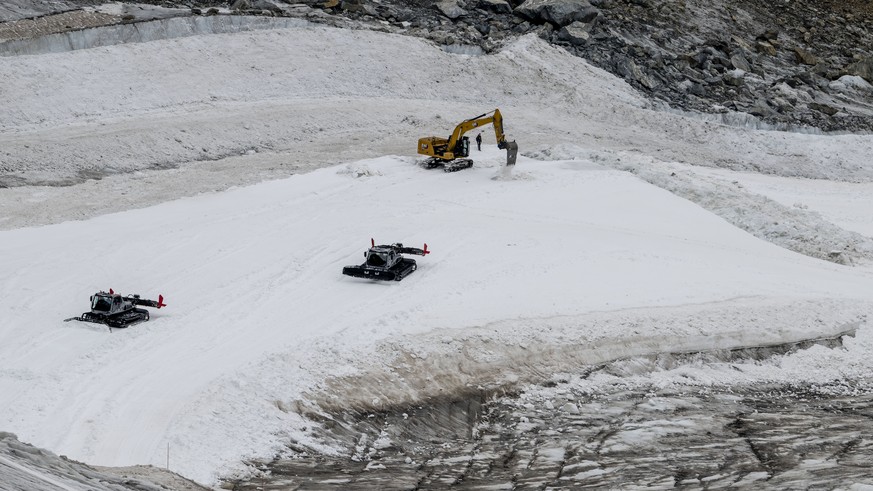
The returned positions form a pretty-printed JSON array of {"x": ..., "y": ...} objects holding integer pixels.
[{"x": 451, "y": 153}]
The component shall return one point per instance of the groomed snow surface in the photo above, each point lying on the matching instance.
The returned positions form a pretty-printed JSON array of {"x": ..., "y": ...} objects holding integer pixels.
[{"x": 551, "y": 259}]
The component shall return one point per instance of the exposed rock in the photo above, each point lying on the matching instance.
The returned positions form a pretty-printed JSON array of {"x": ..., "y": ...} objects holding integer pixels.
[
  {"x": 862, "y": 68},
  {"x": 805, "y": 57},
  {"x": 697, "y": 89},
  {"x": 823, "y": 108},
  {"x": 783, "y": 106},
  {"x": 558, "y": 12},
  {"x": 735, "y": 77},
  {"x": 358, "y": 6},
  {"x": 762, "y": 109},
  {"x": 765, "y": 47},
  {"x": 630, "y": 70},
  {"x": 450, "y": 9},
  {"x": 769, "y": 35},
  {"x": 739, "y": 61},
  {"x": 577, "y": 33},
  {"x": 851, "y": 82},
  {"x": 500, "y": 6},
  {"x": 274, "y": 5}
]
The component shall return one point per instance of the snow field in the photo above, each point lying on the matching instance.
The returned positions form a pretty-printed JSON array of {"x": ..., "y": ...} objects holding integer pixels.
[{"x": 252, "y": 278}]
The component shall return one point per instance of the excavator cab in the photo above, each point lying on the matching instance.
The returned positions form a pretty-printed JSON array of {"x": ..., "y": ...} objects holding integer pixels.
[{"x": 463, "y": 147}]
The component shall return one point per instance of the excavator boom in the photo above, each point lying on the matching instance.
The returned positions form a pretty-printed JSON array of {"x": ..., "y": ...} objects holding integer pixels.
[
  {"x": 470, "y": 124},
  {"x": 451, "y": 152}
]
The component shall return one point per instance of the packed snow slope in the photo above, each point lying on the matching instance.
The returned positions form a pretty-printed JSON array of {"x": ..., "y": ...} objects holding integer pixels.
[
  {"x": 254, "y": 273},
  {"x": 563, "y": 257}
]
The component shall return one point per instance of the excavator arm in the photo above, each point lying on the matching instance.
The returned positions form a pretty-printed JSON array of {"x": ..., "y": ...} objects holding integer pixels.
[
  {"x": 493, "y": 117},
  {"x": 457, "y": 146}
]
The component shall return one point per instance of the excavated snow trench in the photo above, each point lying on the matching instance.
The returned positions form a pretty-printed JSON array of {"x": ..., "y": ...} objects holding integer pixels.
[{"x": 558, "y": 436}]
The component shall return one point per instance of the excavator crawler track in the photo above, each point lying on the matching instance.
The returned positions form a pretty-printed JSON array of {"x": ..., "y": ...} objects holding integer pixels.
[
  {"x": 447, "y": 165},
  {"x": 458, "y": 164}
]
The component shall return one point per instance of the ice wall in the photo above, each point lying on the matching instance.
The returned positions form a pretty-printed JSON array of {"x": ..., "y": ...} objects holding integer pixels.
[{"x": 143, "y": 32}]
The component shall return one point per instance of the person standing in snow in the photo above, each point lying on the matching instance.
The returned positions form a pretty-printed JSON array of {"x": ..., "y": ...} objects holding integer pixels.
[{"x": 479, "y": 141}]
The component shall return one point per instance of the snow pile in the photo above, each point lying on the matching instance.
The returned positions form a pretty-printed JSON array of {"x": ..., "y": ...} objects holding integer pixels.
[
  {"x": 794, "y": 228},
  {"x": 501, "y": 356}
]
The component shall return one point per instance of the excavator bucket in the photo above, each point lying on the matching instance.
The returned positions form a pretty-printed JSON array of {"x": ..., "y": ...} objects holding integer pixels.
[{"x": 511, "y": 152}]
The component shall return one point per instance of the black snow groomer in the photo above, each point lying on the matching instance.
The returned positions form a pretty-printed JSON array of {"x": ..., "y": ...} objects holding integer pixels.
[
  {"x": 384, "y": 262},
  {"x": 117, "y": 311}
]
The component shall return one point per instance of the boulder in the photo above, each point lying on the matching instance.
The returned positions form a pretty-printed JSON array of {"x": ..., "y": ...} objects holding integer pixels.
[
  {"x": 851, "y": 82},
  {"x": 274, "y": 5},
  {"x": 630, "y": 71},
  {"x": 577, "y": 33},
  {"x": 766, "y": 48},
  {"x": 805, "y": 57},
  {"x": 782, "y": 105},
  {"x": 499, "y": 6},
  {"x": 697, "y": 89},
  {"x": 762, "y": 109},
  {"x": 694, "y": 60},
  {"x": 739, "y": 61},
  {"x": 862, "y": 68},
  {"x": 450, "y": 9},
  {"x": 735, "y": 77},
  {"x": 557, "y": 12},
  {"x": 358, "y": 6},
  {"x": 823, "y": 108},
  {"x": 768, "y": 35}
]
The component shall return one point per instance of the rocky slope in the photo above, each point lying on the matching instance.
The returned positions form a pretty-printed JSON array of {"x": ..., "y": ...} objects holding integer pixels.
[{"x": 799, "y": 63}]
